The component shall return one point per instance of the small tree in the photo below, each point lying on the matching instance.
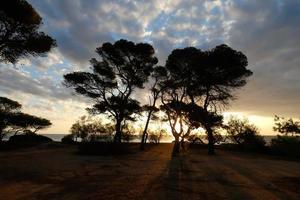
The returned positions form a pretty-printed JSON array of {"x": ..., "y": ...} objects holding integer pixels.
[
  {"x": 237, "y": 129},
  {"x": 158, "y": 75},
  {"x": 155, "y": 136},
  {"x": 80, "y": 129},
  {"x": 243, "y": 133},
  {"x": 19, "y": 35},
  {"x": 286, "y": 126},
  {"x": 88, "y": 129},
  {"x": 123, "y": 68}
]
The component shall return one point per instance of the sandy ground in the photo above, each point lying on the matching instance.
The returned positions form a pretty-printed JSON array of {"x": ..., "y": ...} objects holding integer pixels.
[{"x": 58, "y": 173}]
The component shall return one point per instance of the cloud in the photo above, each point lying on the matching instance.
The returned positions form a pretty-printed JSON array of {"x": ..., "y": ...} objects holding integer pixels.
[{"x": 266, "y": 31}]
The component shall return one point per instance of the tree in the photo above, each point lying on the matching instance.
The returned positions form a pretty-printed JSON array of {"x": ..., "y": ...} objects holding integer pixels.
[
  {"x": 286, "y": 126},
  {"x": 204, "y": 81},
  {"x": 7, "y": 107},
  {"x": 19, "y": 122},
  {"x": 156, "y": 135},
  {"x": 178, "y": 111},
  {"x": 88, "y": 129},
  {"x": 19, "y": 35},
  {"x": 124, "y": 67},
  {"x": 240, "y": 131},
  {"x": 244, "y": 134},
  {"x": 12, "y": 120},
  {"x": 158, "y": 75},
  {"x": 79, "y": 129}
]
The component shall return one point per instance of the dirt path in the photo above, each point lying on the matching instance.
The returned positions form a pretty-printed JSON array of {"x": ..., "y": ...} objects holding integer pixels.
[{"x": 60, "y": 174}]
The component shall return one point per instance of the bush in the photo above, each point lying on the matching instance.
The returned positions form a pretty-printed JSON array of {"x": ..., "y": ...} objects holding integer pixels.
[
  {"x": 286, "y": 145},
  {"x": 253, "y": 142},
  {"x": 100, "y": 138},
  {"x": 26, "y": 140},
  {"x": 29, "y": 138},
  {"x": 68, "y": 139}
]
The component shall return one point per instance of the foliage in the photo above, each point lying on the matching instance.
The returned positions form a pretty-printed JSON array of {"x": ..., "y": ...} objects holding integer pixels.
[
  {"x": 286, "y": 126},
  {"x": 92, "y": 130},
  {"x": 123, "y": 67},
  {"x": 12, "y": 120},
  {"x": 128, "y": 132},
  {"x": 244, "y": 134},
  {"x": 19, "y": 35},
  {"x": 68, "y": 139},
  {"x": 286, "y": 145},
  {"x": 29, "y": 138},
  {"x": 8, "y": 105},
  {"x": 156, "y": 135},
  {"x": 202, "y": 81}
]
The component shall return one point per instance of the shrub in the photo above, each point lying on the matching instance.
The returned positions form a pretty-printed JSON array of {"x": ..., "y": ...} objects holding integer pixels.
[
  {"x": 27, "y": 140},
  {"x": 68, "y": 139},
  {"x": 100, "y": 138},
  {"x": 286, "y": 145}
]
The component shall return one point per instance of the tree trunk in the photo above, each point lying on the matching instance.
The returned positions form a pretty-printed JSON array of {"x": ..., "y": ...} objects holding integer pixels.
[
  {"x": 118, "y": 134},
  {"x": 211, "y": 147},
  {"x": 176, "y": 147},
  {"x": 182, "y": 143},
  {"x": 1, "y": 135},
  {"x": 144, "y": 136}
]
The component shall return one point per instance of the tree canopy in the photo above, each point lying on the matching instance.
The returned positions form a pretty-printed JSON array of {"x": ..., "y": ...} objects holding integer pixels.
[
  {"x": 286, "y": 126},
  {"x": 19, "y": 34},
  {"x": 124, "y": 66},
  {"x": 12, "y": 120},
  {"x": 200, "y": 84}
]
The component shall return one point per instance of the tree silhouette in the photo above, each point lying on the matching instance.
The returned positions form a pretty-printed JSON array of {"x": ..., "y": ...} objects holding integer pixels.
[
  {"x": 124, "y": 67},
  {"x": 244, "y": 134},
  {"x": 286, "y": 126},
  {"x": 12, "y": 120},
  {"x": 158, "y": 75},
  {"x": 7, "y": 107},
  {"x": 204, "y": 81},
  {"x": 21, "y": 121},
  {"x": 88, "y": 129},
  {"x": 19, "y": 35}
]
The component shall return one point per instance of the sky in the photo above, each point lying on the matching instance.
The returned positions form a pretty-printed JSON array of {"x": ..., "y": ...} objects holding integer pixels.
[{"x": 267, "y": 32}]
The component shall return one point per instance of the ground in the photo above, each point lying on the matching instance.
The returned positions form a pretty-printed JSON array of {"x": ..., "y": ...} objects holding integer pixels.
[{"x": 58, "y": 173}]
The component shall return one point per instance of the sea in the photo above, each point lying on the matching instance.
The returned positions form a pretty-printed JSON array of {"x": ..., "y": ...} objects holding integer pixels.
[{"x": 165, "y": 139}]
